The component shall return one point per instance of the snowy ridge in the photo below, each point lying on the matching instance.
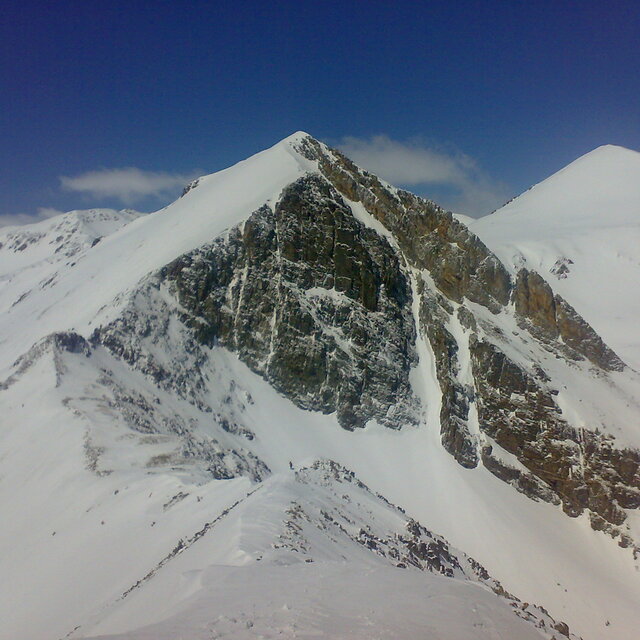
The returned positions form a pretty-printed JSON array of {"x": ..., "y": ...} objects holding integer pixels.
[
  {"x": 96, "y": 286},
  {"x": 32, "y": 257},
  {"x": 321, "y": 515}
]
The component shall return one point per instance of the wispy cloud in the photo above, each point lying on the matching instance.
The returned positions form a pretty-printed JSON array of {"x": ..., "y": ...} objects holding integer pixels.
[
  {"x": 468, "y": 189},
  {"x": 128, "y": 185},
  {"x": 11, "y": 219}
]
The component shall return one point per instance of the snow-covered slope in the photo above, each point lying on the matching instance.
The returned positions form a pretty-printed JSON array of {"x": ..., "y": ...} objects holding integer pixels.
[
  {"x": 191, "y": 405},
  {"x": 95, "y": 285},
  {"x": 132, "y": 535},
  {"x": 33, "y": 256},
  {"x": 580, "y": 229},
  {"x": 290, "y": 548}
]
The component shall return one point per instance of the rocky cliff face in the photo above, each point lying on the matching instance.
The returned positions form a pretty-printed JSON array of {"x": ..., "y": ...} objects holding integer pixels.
[
  {"x": 574, "y": 466},
  {"x": 312, "y": 300},
  {"x": 549, "y": 317},
  {"x": 326, "y": 293},
  {"x": 578, "y": 468},
  {"x": 429, "y": 237}
]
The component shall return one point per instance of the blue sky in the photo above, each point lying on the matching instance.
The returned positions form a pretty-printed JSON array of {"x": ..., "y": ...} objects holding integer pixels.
[{"x": 118, "y": 103}]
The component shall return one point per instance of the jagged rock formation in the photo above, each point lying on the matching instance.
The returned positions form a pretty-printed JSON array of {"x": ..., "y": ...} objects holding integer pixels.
[
  {"x": 579, "y": 467},
  {"x": 314, "y": 301},
  {"x": 428, "y": 236},
  {"x": 463, "y": 269},
  {"x": 551, "y": 317}
]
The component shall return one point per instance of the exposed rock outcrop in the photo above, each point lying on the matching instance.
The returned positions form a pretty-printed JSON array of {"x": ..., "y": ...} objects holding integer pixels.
[
  {"x": 456, "y": 397},
  {"x": 581, "y": 467},
  {"x": 314, "y": 301},
  {"x": 428, "y": 236},
  {"x": 551, "y": 317}
]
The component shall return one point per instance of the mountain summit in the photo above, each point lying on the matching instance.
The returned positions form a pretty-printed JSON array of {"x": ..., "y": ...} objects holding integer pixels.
[
  {"x": 300, "y": 401},
  {"x": 580, "y": 229}
]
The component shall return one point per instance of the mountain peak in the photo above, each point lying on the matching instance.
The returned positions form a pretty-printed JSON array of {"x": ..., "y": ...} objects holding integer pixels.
[
  {"x": 296, "y": 137},
  {"x": 600, "y": 188},
  {"x": 605, "y": 158},
  {"x": 609, "y": 149},
  {"x": 208, "y": 388},
  {"x": 578, "y": 228}
]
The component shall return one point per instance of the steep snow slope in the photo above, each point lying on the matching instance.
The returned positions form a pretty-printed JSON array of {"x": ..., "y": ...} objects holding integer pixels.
[
  {"x": 580, "y": 229},
  {"x": 95, "y": 284},
  {"x": 119, "y": 516},
  {"x": 140, "y": 461}
]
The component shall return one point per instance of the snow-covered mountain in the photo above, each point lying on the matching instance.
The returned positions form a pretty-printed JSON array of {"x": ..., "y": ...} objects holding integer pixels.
[
  {"x": 300, "y": 402},
  {"x": 580, "y": 230}
]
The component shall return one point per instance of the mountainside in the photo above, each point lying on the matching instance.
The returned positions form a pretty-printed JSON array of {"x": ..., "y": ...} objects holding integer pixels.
[
  {"x": 33, "y": 256},
  {"x": 580, "y": 230},
  {"x": 292, "y": 393}
]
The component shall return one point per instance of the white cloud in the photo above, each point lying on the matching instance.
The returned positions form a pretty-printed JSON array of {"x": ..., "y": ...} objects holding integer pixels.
[
  {"x": 468, "y": 189},
  {"x": 128, "y": 184},
  {"x": 11, "y": 219}
]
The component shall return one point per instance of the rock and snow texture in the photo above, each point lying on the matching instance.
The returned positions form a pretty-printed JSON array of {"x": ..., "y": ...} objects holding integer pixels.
[
  {"x": 97, "y": 284},
  {"x": 32, "y": 257},
  {"x": 191, "y": 405},
  {"x": 580, "y": 230},
  {"x": 295, "y": 541}
]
